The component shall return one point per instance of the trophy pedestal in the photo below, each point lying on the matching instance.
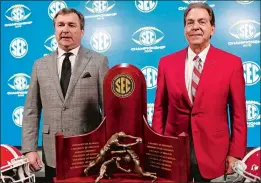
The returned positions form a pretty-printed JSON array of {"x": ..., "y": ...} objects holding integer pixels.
[
  {"x": 117, "y": 177},
  {"x": 125, "y": 110}
]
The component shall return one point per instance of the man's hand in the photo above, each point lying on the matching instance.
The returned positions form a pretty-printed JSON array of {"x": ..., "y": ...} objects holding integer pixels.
[
  {"x": 139, "y": 140},
  {"x": 35, "y": 162},
  {"x": 230, "y": 161}
]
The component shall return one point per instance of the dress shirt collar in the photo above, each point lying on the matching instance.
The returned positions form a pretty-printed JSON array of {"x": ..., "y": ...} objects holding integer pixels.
[
  {"x": 202, "y": 55},
  {"x": 61, "y": 52}
]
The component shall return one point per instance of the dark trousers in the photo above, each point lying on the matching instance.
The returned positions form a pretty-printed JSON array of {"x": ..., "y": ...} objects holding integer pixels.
[
  {"x": 195, "y": 173},
  {"x": 50, "y": 173},
  {"x": 194, "y": 170}
]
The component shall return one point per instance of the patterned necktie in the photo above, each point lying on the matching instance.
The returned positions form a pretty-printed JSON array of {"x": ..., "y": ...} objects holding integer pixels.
[
  {"x": 196, "y": 76},
  {"x": 66, "y": 73}
]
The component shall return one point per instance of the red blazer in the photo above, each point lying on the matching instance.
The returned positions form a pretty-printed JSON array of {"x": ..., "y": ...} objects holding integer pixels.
[{"x": 221, "y": 83}]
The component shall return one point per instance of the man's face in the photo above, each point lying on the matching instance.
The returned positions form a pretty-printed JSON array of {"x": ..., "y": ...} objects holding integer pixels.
[
  {"x": 198, "y": 28},
  {"x": 68, "y": 31}
]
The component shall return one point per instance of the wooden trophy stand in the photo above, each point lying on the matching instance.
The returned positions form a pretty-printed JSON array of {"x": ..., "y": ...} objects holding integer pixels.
[{"x": 125, "y": 110}]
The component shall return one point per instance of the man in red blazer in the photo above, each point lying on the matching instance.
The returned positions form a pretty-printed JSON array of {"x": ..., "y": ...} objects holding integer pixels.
[{"x": 194, "y": 87}]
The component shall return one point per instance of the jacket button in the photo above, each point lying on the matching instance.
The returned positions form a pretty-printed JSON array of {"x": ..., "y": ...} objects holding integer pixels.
[{"x": 64, "y": 108}]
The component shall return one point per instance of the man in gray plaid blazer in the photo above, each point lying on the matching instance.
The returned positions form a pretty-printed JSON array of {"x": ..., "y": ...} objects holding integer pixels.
[{"x": 70, "y": 97}]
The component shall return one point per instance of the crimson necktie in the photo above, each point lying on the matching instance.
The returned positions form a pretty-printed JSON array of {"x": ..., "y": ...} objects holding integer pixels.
[
  {"x": 196, "y": 76},
  {"x": 66, "y": 73}
]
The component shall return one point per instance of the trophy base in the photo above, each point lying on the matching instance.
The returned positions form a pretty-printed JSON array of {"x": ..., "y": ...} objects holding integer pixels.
[{"x": 117, "y": 177}]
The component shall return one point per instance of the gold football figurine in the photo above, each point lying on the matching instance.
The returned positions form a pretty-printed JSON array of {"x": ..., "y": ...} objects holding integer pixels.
[
  {"x": 108, "y": 167},
  {"x": 113, "y": 144},
  {"x": 132, "y": 157}
]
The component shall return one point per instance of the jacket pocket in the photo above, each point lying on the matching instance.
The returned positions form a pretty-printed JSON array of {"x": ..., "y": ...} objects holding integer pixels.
[{"x": 221, "y": 133}]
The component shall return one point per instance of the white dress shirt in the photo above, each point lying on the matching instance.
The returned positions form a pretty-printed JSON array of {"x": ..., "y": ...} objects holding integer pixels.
[
  {"x": 189, "y": 65},
  {"x": 61, "y": 56}
]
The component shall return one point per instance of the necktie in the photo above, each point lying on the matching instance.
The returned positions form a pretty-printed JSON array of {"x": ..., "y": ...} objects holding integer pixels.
[
  {"x": 66, "y": 73},
  {"x": 196, "y": 76}
]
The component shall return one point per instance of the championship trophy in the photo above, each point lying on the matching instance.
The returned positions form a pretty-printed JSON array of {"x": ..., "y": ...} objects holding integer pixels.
[{"x": 123, "y": 147}]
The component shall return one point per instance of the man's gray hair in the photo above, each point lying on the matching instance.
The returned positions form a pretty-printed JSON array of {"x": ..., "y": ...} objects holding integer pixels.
[
  {"x": 202, "y": 6},
  {"x": 66, "y": 11}
]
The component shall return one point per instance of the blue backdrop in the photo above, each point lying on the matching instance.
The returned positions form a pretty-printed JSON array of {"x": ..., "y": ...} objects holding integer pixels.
[{"x": 135, "y": 32}]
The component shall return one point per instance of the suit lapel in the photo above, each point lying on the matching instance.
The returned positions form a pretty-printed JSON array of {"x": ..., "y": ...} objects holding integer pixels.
[
  {"x": 80, "y": 63},
  {"x": 182, "y": 74},
  {"x": 52, "y": 66},
  {"x": 207, "y": 73}
]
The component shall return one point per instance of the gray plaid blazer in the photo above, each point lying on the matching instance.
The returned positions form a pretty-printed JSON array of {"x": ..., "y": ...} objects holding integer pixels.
[{"x": 78, "y": 113}]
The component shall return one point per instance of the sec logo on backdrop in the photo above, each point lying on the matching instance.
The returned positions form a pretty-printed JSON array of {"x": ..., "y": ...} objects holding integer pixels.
[
  {"x": 54, "y": 7},
  {"x": 151, "y": 74},
  {"x": 100, "y": 41},
  {"x": 251, "y": 72},
  {"x": 18, "y": 47},
  {"x": 18, "y": 116},
  {"x": 19, "y": 83},
  {"x": 146, "y": 6}
]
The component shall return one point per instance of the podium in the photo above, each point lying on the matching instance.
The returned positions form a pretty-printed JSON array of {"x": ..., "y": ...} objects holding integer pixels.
[{"x": 125, "y": 109}]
